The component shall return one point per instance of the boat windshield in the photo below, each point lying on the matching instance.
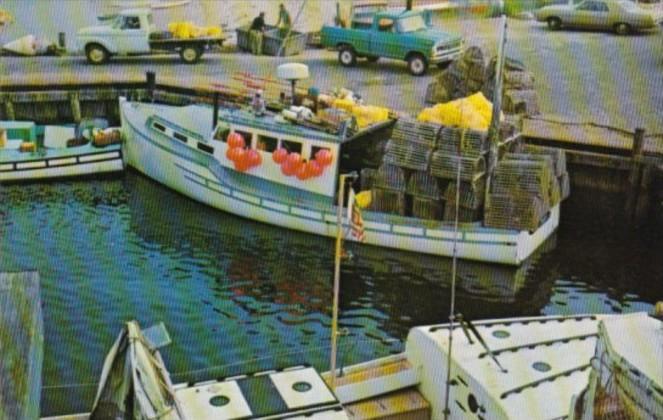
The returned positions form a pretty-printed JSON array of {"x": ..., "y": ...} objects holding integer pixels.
[{"x": 411, "y": 24}]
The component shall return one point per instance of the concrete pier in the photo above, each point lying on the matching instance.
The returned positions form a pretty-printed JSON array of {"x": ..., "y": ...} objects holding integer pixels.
[{"x": 21, "y": 346}]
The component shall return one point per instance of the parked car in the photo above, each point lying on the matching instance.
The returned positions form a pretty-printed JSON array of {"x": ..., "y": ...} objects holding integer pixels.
[
  {"x": 131, "y": 32},
  {"x": 622, "y": 16},
  {"x": 399, "y": 34}
]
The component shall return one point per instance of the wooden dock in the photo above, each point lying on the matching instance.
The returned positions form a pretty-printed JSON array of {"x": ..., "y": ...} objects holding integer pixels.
[
  {"x": 608, "y": 159},
  {"x": 21, "y": 346}
]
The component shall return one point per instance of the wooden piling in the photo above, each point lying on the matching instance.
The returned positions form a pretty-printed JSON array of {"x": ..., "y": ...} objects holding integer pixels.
[
  {"x": 21, "y": 346},
  {"x": 75, "y": 104},
  {"x": 634, "y": 190},
  {"x": 9, "y": 110}
]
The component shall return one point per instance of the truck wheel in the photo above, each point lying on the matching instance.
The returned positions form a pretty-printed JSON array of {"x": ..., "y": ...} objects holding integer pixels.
[
  {"x": 347, "y": 56},
  {"x": 96, "y": 54},
  {"x": 190, "y": 54},
  {"x": 417, "y": 64},
  {"x": 554, "y": 23},
  {"x": 623, "y": 28}
]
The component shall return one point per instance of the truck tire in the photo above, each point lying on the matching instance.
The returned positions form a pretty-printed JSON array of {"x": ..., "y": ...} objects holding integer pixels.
[
  {"x": 347, "y": 56},
  {"x": 96, "y": 54},
  {"x": 554, "y": 23},
  {"x": 190, "y": 54},
  {"x": 417, "y": 64},
  {"x": 623, "y": 28}
]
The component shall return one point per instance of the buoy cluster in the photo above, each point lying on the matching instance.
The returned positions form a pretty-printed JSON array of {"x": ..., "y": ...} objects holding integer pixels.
[
  {"x": 292, "y": 164},
  {"x": 243, "y": 158}
]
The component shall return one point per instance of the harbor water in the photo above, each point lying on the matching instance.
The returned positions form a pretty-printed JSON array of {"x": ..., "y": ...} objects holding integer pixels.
[{"x": 240, "y": 296}]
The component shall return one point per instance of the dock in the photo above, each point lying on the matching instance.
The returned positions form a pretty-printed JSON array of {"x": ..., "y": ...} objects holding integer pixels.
[{"x": 21, "y": 346}]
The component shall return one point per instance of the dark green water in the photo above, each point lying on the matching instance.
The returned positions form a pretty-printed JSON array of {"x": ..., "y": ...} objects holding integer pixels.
[{"x": 238, "y": 295}]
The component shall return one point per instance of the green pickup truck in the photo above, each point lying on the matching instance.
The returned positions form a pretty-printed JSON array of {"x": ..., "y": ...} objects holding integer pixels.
[{"x": 403, "y": 35}]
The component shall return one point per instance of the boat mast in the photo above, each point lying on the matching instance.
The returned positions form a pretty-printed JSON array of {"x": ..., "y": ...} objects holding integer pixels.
[
  {"x": 494, "y": 129},
  {"x": 337, "y": 275}
]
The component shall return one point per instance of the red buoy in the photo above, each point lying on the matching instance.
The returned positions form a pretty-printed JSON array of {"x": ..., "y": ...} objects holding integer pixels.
[
  {"x": 236, "y": 140},
  {"x": 279, "y": 155}
]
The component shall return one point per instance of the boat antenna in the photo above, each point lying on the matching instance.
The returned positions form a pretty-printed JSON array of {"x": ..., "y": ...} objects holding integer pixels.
[
  {"x": 337, "y": 275},
  {"x": 492, "y": 132}
]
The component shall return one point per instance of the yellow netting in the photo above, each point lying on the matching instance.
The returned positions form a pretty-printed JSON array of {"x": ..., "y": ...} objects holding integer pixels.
[
  {"x": 473, "y": 112},
  {"x": 186, "y": 30},
  {"x": 364, "y": 199},
  {"x": 364, "y": 114}
]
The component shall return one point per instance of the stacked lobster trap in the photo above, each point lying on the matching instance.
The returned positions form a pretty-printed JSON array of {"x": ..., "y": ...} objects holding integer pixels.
[{"x": 421, "y": 163}]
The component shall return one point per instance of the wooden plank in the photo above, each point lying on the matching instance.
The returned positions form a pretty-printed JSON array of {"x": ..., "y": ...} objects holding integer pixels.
[
  {"x": 21, "y": 345},
  {"x": 573, "y": 134},
  {"x": 403, "y": 405}
]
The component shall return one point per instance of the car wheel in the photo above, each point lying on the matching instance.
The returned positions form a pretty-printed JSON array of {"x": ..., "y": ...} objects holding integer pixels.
[
  {"x": 623, "y": 28},
  {"x": 96, "y": 54},
  {"x": 190, "y": 54},
  {"x": 554, "y": 23},
  {"x": 417, "y": 64},
  {"x": 347, "y": 56},
  {"x": 372, "y": 59}
]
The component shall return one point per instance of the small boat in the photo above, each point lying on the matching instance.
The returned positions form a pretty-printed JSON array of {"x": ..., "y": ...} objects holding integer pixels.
[
  {"x": 550, "y": 367},
  {"x": 31, "y": 152},
  {"x": 176, "y": 146}
]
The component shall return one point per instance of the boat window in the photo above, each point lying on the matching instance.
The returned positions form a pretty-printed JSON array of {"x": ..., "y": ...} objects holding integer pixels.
[
  {"x": 247, "y": 137},
  {"x": 159, "y": 126},
  {"x": 221, "y": 133},
  {"x": 291, "y": 146},
  {"x": 316, "y": 149},
  {"x": 267, "y": 144},
  {"x": 180, "y": 137},
  {"x": 205, "y": 148}
]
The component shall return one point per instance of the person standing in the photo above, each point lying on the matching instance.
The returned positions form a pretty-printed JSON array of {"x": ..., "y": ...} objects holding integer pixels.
[
  {"x": 284, "y": 23},
  {"x": 256, "y": 34}
]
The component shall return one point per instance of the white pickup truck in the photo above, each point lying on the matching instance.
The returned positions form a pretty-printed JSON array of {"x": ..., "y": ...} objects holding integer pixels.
[{"x": 132, "y": 32}]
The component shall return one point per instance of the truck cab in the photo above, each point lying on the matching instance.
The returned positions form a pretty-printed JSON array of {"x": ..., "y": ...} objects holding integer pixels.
[
  {"x": 127, "y": 32},
  {"x": 399, "y": 34}
]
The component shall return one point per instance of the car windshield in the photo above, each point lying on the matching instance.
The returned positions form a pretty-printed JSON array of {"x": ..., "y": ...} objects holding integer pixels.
[
  {"x": 411, "y": 24},
  {"x": 628, "y": 5}
]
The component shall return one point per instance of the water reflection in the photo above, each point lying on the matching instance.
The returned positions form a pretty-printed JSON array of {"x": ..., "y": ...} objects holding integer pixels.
[{"x": 238, "y": 295}]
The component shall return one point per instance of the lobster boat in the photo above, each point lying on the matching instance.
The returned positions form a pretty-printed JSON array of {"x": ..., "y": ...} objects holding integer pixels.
[
  {"x": 29, "y": 152},
  {"x": 282, "y": 169},
  {"x": 549, "y": 367}
]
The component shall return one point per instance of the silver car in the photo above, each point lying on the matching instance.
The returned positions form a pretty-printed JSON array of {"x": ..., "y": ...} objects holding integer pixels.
[{"x": 622, "y": 16}]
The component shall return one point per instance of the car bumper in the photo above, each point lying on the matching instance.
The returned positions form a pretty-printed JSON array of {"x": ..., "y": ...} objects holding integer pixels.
[{"x": 446, "y": 55}]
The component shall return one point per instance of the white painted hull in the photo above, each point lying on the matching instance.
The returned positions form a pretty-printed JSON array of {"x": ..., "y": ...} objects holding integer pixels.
[
  {"x": 154, "y": 156},
  {"x": 61, "y": 166}
]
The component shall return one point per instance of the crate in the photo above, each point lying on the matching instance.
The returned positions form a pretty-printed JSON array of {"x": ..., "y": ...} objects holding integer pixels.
[
  {"x": 519, "y": 212},
  {"x": 558, "y": 156},
  {"x": 423, "y": 185},
  {"x": 444, "y": 165},
  {"x": 412, "y": 131},
  {"x": 390, "y": 177},
  {"x": 464, "y": 215},
  {"x": 427, "y": 208},
  {"x": 471, "y": 194},
  {"x": 524, "y": 177},
  {"x": 472, "y": 143},
  {"x": 273, "y": 39},
  {"x": 388, "y": 201},
  {"x": 407, "y": 155}
]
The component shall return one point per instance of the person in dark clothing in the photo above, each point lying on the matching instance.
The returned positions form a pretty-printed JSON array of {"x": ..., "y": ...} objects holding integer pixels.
[{"x": 256, "y": 32}]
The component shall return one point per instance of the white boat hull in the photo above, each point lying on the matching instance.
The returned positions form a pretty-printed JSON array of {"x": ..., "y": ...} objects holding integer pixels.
[
  {"x": 158, "y": 158},
  {"x": 61, "y": 166}
]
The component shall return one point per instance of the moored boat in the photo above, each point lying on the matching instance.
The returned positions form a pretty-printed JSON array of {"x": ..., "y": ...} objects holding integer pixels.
[
  {"x": 176, "y": 146},
  {"x": 550, "y": 367},
  {"x": 30, "y": 152}
]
